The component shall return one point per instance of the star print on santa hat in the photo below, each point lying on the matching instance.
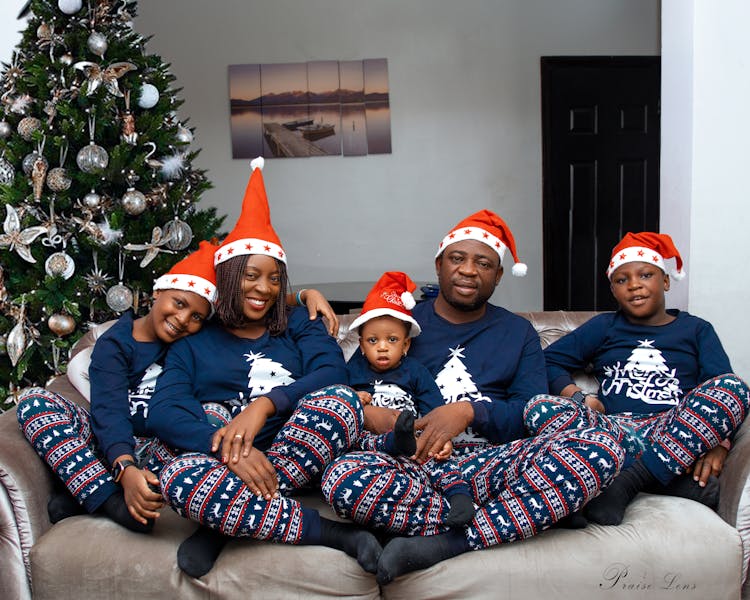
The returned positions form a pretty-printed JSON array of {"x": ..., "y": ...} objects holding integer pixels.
[
  {"x": 486, "y": 227},
  {"x": 194, "y": 273},
  {"x": 391, "y": 296},
  {"x": 253, "y": 232},
  {"x": 646, "y": 246}
]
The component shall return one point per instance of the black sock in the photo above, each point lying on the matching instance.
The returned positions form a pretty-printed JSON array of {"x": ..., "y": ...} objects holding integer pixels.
[
  {"x": 608, "y": 508},
  {"x": 461, "y": 512},
  {"x": 404, "y": 441},
  {"x": 356, "y": 542},
  {"x": 198, "y": 553},
  {"x": 116, "y": 509},
  {"x": 407, "y": 554},
  {"x": 62, "y": 505},
  {"x": 685, "y": 486},
  {"x": 574, "y": 520}
]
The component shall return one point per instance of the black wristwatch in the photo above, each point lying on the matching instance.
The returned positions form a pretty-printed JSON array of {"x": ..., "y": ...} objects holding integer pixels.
[
  {"x": 120, "y": 467},
  {"x": 578, "y": 397}
]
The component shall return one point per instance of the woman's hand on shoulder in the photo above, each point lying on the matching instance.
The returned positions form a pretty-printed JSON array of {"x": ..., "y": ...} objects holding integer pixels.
[{"x": 316, "y": 303}]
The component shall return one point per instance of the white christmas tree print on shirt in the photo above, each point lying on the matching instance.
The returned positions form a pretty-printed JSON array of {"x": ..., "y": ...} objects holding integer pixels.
[
  {"x": 456, "y": 385},
  {"x": 645, "y": 376},
  {"x": 265, "y": 374}
]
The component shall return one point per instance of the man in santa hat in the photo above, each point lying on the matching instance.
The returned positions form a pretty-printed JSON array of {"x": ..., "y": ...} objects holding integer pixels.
[{"x": 487, "y": 363}]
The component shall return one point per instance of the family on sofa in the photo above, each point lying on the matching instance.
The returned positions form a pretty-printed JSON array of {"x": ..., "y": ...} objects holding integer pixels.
[{"x": 251, "y": 405}]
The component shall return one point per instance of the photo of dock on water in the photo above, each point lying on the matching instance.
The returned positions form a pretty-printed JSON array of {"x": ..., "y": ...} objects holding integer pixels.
[{"x": 318, "y": 108}]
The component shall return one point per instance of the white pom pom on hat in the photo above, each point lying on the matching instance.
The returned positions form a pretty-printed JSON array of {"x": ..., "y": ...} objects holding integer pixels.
[{"x": 408, "y": 300}]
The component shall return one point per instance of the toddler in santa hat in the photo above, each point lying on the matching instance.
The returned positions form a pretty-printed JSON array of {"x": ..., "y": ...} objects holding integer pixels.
[
  {"x": 395, "y": 387},
  {"x": 666, "y": 386},
  {"x": 99, "y": 448}
]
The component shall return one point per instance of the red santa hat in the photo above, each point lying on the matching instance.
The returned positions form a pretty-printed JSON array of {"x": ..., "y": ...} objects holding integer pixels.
[
  {"x": 391, "y": 295},
  {"x": 485, "y": 226},
  {"x": 253, "y": 233},
  {"x": 646, "y": 246},
  {"x": 194, "y": 273}
]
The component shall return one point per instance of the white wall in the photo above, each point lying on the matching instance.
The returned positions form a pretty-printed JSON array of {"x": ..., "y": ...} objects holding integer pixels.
[
  {"x": 465, "y": 117},
  {"x": 10, "y": 27},
  {"x": 677, "y": 135},
  {"x": 720, "y": 219}
]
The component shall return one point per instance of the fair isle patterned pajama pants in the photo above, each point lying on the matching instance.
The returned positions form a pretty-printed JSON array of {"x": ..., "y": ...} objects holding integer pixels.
[
  {"x": 521, "y": 487},
  {"x": 443, "y": 475},
  {"x": 60, "y": 432},
  {"x": 668, "y": 442},
  {"x": 198, "y": 486}
]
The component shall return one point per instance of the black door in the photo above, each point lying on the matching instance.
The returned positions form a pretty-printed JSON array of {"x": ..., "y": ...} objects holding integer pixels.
[{"x": 600, "y": 128}]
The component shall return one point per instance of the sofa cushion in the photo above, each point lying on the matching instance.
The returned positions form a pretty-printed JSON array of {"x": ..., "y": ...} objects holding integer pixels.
[
  {"x": 111, "y": 561},
  {"x": 665, "y": 548}
]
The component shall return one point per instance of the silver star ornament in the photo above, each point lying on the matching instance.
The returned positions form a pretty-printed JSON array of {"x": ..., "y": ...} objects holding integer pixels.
[{"x": 16, "y": 239}]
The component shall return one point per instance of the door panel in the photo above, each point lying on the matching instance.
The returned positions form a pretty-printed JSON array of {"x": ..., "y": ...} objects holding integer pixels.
[{"x": 600, "y": 124}]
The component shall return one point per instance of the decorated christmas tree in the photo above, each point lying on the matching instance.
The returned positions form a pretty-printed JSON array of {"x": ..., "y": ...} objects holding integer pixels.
[{"x": 98, "y": 191}]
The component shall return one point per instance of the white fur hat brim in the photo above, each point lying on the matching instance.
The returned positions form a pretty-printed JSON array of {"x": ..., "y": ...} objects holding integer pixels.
[{"x": 382, "y": 312}]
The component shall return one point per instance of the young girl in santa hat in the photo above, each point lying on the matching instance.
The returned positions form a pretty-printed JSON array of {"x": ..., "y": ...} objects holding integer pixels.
[
  {"x": 277, "y": 373},
  {"x": 92, "y": 453},
  {"x": 666, "y": 387}
]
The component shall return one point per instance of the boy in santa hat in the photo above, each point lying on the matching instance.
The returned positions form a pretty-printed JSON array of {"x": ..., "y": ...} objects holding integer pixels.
[
  {"x": 92, "y": 453},
  {"x": 666, "y": 387},
  {"x": 394, "y": 384}
]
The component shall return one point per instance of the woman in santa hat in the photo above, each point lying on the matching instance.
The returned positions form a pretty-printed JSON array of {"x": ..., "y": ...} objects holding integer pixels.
[{"x": 275, "y": 373}]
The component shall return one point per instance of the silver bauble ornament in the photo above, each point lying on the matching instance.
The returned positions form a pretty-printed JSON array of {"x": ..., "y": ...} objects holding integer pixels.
[
  {"x": 184, "y": 135},
  {"x": 178, "y": 233},
  {"x": 119, "y": 298},
  {"x": 27, "y": 126},
  {"x": 5, "y": 129},
  {"x": 92, "y": 158},
  {"x": 7, "y": 172},
  {"x": 92, "y": 200},
  {"x": 61, "y": 324},
  {"x": 69, "y": 7},
  {"x": 66, "y": 59},
  {"x": 134, "y": 202},
  {"x": 148, "y": 96},
  {"x": 58, "y": 179},
  {"x": 29, "y": 160},
  {"x": 60, "y": 264},
  {"x": 97, "y": 43}
]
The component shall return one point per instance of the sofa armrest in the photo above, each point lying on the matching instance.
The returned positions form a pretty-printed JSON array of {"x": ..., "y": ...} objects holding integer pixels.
[
  {"x": 734, "y": 501},
  {"x": 26, "y": 484}
]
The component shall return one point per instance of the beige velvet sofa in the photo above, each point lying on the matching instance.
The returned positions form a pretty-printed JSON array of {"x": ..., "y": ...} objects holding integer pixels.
[{"x": 665, "y": 548}]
